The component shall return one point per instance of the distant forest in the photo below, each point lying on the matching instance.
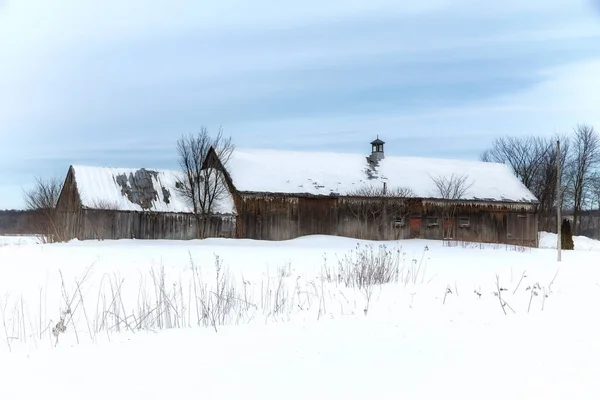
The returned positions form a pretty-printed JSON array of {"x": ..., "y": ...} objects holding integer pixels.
[{"x": 17, "y": 222}]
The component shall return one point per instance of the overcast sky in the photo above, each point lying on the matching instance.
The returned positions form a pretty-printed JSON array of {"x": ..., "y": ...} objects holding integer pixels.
[{"x": 115, "y": 83}]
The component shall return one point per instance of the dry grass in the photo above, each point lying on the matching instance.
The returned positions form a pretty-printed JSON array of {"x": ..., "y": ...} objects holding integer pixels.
[{"x": 93, "y": 306}]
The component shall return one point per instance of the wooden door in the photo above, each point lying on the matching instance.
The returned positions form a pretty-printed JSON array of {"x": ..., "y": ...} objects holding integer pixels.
[
  {"x": 415, "y": 227},
  {"x": 517, "y": 231},
  {"x": 448, "y": 228},
  {"x": 316, "y": 216}
]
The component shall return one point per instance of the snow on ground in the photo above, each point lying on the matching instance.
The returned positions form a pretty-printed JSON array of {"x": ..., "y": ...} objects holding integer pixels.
[
  {"x": 549, "y": 241},
  {"x": 438, "y": 330},
  {"x": 18, "y": 240}
]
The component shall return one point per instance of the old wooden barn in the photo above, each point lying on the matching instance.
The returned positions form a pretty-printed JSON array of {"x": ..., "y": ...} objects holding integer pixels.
[
  {"x": 281, "y": 195},
  {"x": 122, "y": 203}
]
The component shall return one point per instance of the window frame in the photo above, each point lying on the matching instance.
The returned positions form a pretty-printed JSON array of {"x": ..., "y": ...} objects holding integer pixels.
[
  {"x": 463, "y": 225},
  {"x": 433, "y": 222}
]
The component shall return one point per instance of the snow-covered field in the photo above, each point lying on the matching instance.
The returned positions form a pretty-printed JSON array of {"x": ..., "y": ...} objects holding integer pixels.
[
  {"x": 286, "y": 320},
  {"x": 18, "y": 240},
  {"x": 548, "y": 241}
]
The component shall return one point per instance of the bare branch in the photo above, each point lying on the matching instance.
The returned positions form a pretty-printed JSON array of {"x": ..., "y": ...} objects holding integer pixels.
[
  {"x": 454, "y": 187},
  {"x": 43, "y": 195},
  {"x": 378, "y": 206},
  {"x": 204, "y": 186},
  {"x": 533, "y": 161},
  {"x": 42, "y": 199},
  {"x": 586, "y": 158},
  {"x": 105, "y": 205},
  {"x": 378, "y": 192},
  {"x": 522, "y": 154}
]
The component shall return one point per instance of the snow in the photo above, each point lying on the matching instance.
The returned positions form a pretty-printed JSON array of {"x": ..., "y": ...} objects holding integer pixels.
[
  {"x": 438, "y": 332},
  {"x": 316, "y": 173},
  {"x": 18, "y": 240},
  {"x": 273, "y": 171},
  {"x": 549, "y": 241},
  {"x": 99, "y": 188}
]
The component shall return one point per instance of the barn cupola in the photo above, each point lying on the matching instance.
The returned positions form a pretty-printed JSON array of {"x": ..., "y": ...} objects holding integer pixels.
[{"x": 377, "y": 150}]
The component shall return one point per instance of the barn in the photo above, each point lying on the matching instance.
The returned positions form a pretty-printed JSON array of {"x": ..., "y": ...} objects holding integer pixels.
[
  {"x": 281, "y": 195},
  {"x": 128, "y": 203}
]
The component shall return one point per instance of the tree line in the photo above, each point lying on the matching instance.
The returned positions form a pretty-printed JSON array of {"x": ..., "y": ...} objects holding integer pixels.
[{"x": 533, "y": 159}]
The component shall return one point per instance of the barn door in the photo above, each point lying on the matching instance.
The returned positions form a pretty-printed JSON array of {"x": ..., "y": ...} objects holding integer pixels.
[
  {"x": 448, "y": 228},
  {"x": 517, "y": 231},
  {"x": 316, "y": 216},
  {"x": 415, "y": 227}
]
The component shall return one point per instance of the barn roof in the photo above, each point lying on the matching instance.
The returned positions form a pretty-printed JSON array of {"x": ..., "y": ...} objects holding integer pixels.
[
  {"x": 318, "y": 173},
  {"x": 135, "y": 189}
]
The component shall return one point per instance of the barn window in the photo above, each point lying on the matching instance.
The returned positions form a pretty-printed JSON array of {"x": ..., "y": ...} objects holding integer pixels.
[
  {"x": 399, "y": 222},
  {"x": 431, "y": 222},
  {"x": 464, "y": 222}
]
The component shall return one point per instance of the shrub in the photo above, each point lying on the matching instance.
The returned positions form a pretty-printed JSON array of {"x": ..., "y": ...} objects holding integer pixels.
[
  {"x": 367, "y": 267},
  {"x": 566, "y": 237}
]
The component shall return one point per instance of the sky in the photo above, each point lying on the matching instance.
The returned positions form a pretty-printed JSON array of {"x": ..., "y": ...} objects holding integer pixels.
[{"x": 114, "y": 83}]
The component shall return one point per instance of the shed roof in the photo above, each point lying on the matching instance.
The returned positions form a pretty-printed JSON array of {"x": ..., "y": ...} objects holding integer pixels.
[
  {"x": 319, "y": 173},
  {"x": 135, "y": 189}
]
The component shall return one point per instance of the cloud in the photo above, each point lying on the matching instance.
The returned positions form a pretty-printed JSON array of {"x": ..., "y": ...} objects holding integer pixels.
[
  {"x": 70, "y": 21},
  {"x": 560, "y": 98},
  {"x": 115, "y": 83}
]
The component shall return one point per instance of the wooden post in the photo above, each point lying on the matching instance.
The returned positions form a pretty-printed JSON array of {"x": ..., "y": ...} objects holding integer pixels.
[{"x": 558, "y": 202}]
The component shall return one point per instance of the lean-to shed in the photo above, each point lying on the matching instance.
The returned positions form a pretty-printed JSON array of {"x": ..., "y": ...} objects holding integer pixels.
[{"x": 118, "y": 203}]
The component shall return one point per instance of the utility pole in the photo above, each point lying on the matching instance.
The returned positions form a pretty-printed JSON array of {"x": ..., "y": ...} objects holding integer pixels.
[{"x": 558, "y": 201}]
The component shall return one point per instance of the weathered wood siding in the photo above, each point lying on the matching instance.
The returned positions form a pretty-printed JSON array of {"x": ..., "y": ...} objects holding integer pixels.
[
  {"x": 269, "y": 218},
  {"x": 100, "y": 224},
  {"x": 317, "y": 215},
  {"x": 488, "y": 222},
  {"x": 91, "y": 224},
  {"x": 282, "y": 218},
  {"x": 106, "y": 224}
]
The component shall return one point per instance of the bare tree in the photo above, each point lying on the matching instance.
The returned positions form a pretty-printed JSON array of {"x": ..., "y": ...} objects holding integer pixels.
[
  {"x": 105, "y": 205},
  {"x": 41, "y": 200},
  {"x": 204, "y": 186},
  {"x": 451, "y": 188},
  {"x": 533, "y": 161},
  {"x": 543, "y": 185},
  {"x": 523, "y": 155},
  {"x": 595, "y": 191},
  {"x": 377, "y": 205},
  {"x": 454, "y": 187},
  {"x": 586, "y": 158},
  {"x": 594, "y": 220}
]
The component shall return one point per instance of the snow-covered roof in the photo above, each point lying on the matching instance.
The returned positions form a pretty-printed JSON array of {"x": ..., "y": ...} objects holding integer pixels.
[
  {"x": 131, "y": 189},
  {"x": 318, "y": 173}
]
